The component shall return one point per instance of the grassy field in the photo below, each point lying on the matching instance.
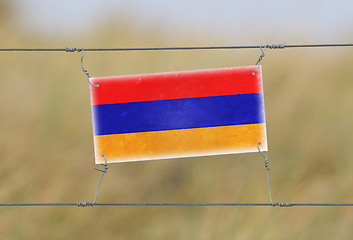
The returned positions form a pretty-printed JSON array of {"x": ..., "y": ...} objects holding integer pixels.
[{"x": 47, "y": 146}]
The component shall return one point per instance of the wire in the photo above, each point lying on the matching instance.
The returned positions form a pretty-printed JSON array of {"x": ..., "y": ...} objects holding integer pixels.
[
  {"x": 88, "y": 204},
  {"x": 273, "y": 46},
  {"x": 285, "y": 204},
  {"x": 35, "y": 204},
  {"x": 104, "y": 171}
]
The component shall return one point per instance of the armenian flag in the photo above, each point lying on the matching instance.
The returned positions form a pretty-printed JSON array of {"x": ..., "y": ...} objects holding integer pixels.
[{"x": 178, "y": 114}]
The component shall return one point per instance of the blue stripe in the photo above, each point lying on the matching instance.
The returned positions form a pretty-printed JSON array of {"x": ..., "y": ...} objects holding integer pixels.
[{"x": 178, "y": 114}]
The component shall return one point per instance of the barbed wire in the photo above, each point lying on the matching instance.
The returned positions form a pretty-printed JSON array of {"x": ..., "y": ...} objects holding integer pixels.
[{"x": 271, "y": 46}]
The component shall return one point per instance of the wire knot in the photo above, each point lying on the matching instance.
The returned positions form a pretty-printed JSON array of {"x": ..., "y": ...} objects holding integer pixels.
[
  {"x": 263, "y": 48},
  {"x": 105, "y": 164},
  {"x": 262, "y": 54},
  {"x": 283, "y": 204},
  {"x": 84, "y": 204},
  {"x": 67, "y": 49},
  {"x": 267, "y": 164},
  {"x": 260, "y": 59},
  {"x": 263, "y": 154},
  {"x": 276, "y": 46}
]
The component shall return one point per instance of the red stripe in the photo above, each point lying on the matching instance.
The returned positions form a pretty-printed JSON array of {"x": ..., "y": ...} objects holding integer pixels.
[{"x": 176, "y": 85}]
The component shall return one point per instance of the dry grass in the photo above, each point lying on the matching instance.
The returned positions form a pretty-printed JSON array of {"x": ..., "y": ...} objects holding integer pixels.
[{"x": 47, "y": 147}]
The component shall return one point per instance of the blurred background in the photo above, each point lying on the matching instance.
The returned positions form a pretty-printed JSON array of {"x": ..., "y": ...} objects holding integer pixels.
[{"x": 46, "y": 134}]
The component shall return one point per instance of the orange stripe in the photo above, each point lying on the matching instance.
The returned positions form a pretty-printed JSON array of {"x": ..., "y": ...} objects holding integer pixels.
[{"x": 180, "y": 143}]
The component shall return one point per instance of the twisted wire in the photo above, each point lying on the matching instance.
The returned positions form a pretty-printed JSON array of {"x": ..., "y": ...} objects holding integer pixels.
[
  {"x": 263, "y": 154},
  {"x": 82, "y": 67},
  {"x": 103, "y": 172}
]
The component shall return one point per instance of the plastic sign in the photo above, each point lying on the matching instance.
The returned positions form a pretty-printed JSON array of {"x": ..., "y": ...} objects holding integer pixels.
[{"x": 178, "y": 114}]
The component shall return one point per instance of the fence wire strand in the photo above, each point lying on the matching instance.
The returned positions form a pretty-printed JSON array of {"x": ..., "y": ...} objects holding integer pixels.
[
  {"x": 88, "y": 204},
  {"x": 269, "y": 46}
]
